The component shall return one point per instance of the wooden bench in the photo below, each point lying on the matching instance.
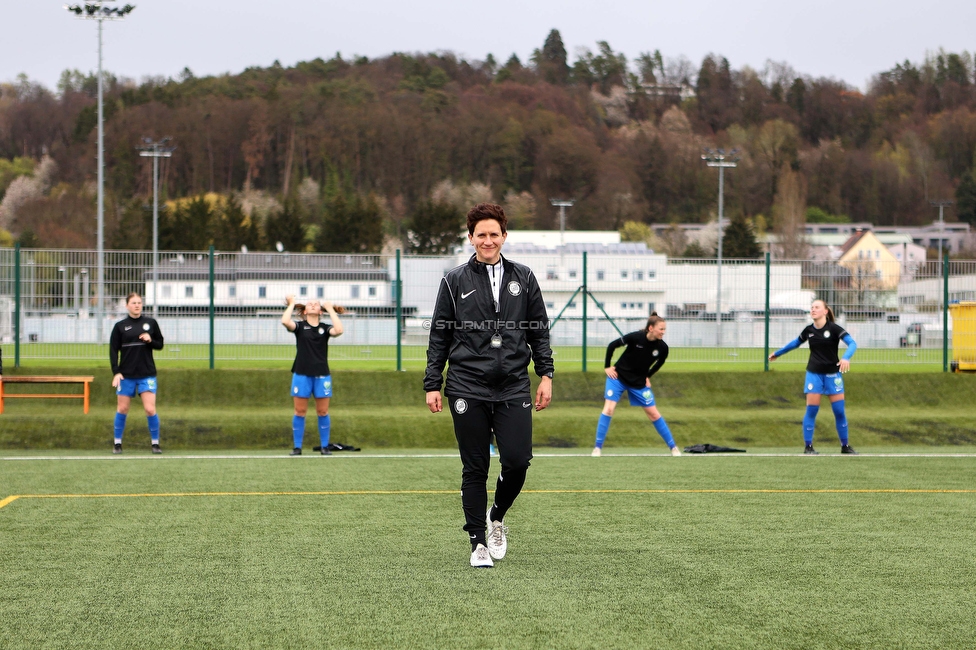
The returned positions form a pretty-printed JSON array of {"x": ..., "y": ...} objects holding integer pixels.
[{"x": 16, "y": 379}]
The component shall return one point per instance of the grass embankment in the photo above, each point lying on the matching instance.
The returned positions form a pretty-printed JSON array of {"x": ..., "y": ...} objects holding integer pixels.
[
  {"x": 251, "y": 409},
  {"x": 414, "y": 357}
]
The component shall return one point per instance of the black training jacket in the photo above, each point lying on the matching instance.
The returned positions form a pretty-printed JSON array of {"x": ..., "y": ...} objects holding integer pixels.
[
  {"x": 464, "y": 322},
  {"x": 137, "y": 356}
]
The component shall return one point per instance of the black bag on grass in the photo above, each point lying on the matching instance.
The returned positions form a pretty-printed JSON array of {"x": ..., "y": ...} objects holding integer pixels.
[{"x": 711, "y": 449}]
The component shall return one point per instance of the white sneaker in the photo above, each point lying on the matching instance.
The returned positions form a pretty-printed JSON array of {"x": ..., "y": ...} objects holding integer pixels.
[
  {"x": 497, "y": 539},
  {"x": 480, "y": 558},
  {"x": 675, "y": 451},
  {"x": 596, "y": 452}
]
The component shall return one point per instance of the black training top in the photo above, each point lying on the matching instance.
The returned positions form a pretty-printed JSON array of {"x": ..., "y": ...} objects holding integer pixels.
[
  {"x": 823, "y": 347},
  {"x": 312, "y": 349},
  {"x": 137, "y": 356},
  {"x": 640, "y": 360},
  {"x": 466, "y": 320}
]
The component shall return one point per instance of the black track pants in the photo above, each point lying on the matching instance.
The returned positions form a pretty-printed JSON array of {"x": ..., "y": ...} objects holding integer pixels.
[{"x": 474, "y": 422}]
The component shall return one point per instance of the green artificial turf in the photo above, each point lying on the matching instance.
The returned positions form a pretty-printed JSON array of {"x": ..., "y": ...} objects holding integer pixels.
[{"x": 675, "y": 566}]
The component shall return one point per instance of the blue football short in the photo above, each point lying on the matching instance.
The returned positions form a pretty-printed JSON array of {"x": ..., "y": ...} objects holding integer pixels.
[
  {"x": 305, "y": 386},
  {"x": 820, "y": 384},
  {"x": 615, "y": 389},
  {"x": 137, "y": 386}
]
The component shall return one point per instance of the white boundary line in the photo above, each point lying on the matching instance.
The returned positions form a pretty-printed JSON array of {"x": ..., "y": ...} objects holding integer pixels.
[{"x": 353, "y": 455}]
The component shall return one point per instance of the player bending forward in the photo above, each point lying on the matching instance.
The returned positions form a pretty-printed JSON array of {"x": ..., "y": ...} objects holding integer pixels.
[{"x": 644, "y": 355}]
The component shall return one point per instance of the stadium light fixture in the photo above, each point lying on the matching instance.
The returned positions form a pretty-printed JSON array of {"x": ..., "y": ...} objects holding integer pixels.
[
  {"x": 100, "y": 12},
  {"x": 156, "y": 150},
  {"x": 562, "y": 204},
  {"x": 719, "y": 158}
]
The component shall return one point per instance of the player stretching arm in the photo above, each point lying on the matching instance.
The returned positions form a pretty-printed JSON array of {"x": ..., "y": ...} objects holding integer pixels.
[{"x": 822, "y": 378}]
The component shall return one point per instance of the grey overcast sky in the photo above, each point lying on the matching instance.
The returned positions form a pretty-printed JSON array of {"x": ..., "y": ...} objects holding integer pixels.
[{"x": 844, "y": 39}]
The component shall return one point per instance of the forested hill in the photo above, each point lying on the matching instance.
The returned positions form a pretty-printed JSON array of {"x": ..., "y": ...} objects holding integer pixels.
[{"x": 401, "y": 135}]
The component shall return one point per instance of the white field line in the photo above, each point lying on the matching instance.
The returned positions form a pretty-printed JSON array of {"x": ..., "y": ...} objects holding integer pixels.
[{"x": 354, "y": 455}]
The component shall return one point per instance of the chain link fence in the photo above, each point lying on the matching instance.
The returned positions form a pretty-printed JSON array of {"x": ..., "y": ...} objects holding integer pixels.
[{"x": 222, "y": 309}]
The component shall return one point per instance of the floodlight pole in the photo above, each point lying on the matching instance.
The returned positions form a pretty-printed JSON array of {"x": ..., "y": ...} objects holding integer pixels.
[
  {"x": 562, "y": 204},
  {"x": 941, "y": 204},
  {"x": 95, "y": 11},
  {"x": 721, "y": 160},
  {"x": 156, "y": 150}
]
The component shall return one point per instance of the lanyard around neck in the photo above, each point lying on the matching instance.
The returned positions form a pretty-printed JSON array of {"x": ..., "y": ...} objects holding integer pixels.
[{"x": 495, "y": 279}]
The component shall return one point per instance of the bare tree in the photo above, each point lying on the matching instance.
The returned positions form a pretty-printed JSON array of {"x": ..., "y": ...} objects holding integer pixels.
[
  {"x": 673, "y": 240},
  {"x": 789, "y": 215}
]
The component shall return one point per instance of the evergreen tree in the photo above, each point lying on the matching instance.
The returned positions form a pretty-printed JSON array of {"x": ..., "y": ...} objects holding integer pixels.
[
  {"x": 235, "y": 229},
  {"x": 552, "y": 60},
  {"x": 198, "y": 224},
  {"x": 695, "y": 250},
  {"x": 187, "y": 228},
  {"x": 28, "y": 239},
  {"x": 796, "y": 95},
  {"x": 966, "y": 198},
  {"x": 286, "y": 227},
  {"x": 435, "y": 229},
  {"x": 354, "y": 226},
  {"x": 131, "y": 230},
  {"x": 739, "y": 241}
]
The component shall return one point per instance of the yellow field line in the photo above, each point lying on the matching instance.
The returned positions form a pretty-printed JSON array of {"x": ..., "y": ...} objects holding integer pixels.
[{"x": 14, "y": 497}]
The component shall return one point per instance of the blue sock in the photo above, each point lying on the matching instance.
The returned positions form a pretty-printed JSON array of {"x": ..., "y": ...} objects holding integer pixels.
[
  {"x": 840, "y": 418},
  {"x": 664, "y": 432},
  {"x": 809, "y": 421},
  {"x": 602, "y": 426},
  {"x": 153, "y": 421},
  {"x": 325, "y": 424},
  {"x": 119, "y": 427},
  {"x": 298, "y": 430}
]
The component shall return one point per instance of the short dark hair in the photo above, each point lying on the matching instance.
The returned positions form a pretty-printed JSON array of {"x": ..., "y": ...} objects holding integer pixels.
[
  {"x": 484, "y": 211},
  {"x": 131, "y": 296}
]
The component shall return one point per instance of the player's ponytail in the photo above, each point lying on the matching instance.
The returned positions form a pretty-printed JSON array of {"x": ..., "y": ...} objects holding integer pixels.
[
  {"x": 653, "y": 320},
  {"x": 830, "y": 312}
]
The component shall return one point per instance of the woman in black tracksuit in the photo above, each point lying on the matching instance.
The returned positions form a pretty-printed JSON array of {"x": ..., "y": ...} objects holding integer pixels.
[{"x": 489, "y": 321}]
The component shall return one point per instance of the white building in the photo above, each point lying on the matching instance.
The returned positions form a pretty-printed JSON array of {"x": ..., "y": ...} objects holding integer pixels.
[{"x": 245, "y": 282}]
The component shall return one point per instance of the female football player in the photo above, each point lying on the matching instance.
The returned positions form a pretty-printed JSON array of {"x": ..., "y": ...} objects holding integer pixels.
[
  {"x": 644, "y": 355},
  {"x": 135, "y": 337},
  {"x": 823, "y": 378},
  {"x": 310, "y": 371}
]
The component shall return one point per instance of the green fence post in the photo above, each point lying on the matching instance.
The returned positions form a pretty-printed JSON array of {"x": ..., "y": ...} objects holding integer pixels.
[
  {"x": 398, "y": 290},
  {"x": 211, "y": 307},
  {"x": 766, "y": 347},
  {"x": 584, "y": 292},
  {"x": 945, "y": 313},
  {"x": 16, "y": 305}
]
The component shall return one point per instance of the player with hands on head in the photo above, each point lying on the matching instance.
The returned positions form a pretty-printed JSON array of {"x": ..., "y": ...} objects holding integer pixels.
[
  {"x": 644, "y": 354},
  {"x": 310, "y": 370},
  {"x": 489, "y": 321},
  {"x": 824, "y": 371},
  {"x": 134, "y": 338}
]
